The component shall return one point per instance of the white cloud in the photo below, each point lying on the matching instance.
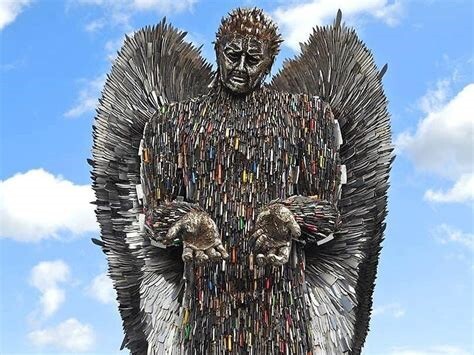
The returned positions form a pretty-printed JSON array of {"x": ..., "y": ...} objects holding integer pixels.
[
  {"x": 17, "y": 64},
  {"x": 116, "y": 13},
  {"x": 91, "y": 89},
  {"x": 435, "y": 98},
  {"x": 447, "y": 234},
  {"x": 163, "y": 6},
  {"x": 461, "y": 191},
  {"x": 88, "y": 97},
  {"x": 47, "y": 277},
  {"x": 101, "y": 289},
  {"x": 37, "y": 205},
  {"x": 95, "y": 25},
  {"x": 119, "y": 12},
  {"x": 443, "y": 141},
  {"x": 90, "y": 2},
  {"x": 112, "y": 47},
  {"x": 298, "y": 20},
  {"x": 10, "y": 9},
  {"x": 70, "y": 335},
  {"x": 435, "y": 350},
  {"x": 392, "y": 309}
]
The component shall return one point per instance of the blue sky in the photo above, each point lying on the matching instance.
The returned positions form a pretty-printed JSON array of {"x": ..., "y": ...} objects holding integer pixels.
[{"x": 55, "y": 297}]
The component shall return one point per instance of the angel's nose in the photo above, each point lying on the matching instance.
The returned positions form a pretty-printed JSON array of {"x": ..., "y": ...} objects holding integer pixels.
[{"x": 241, "y": 63}]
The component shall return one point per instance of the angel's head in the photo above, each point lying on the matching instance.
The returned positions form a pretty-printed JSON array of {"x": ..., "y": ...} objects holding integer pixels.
[{"x": 247, "y": 43}]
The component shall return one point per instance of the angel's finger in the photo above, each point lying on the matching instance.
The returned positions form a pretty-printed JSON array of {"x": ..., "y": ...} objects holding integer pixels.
[
  {"x": 220, "y": 248},
  {"x": 260, "y": 242},
  {"x": 284, "y": 253},
  {"x": 187, "y": 254},
  {"x": 212, "y": 253},
  {"x": 174, "y": 231},
  {"x": 200, "y": 257},
  {"x": 280, "y": 258},
  {"x": 253, "y": 238},
  {"x": 261, "y": 260},
  {"x": 276, "y": 260}
]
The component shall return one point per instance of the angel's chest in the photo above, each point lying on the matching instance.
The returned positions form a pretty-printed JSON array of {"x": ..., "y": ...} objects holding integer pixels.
[
  {"x": 250, "y": 161},
  {"x": 234, "y": 159}
]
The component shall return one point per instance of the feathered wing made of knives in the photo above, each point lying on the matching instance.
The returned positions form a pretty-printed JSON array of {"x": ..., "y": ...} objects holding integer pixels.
[
  {"x": 155, "y": 66},
  {"x": 242, "y": 217},
  {"x": 336, "y": 65}
]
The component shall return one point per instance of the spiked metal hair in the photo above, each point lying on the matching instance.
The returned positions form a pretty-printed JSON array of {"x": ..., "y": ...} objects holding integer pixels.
[{"x": 253, "y": 22}]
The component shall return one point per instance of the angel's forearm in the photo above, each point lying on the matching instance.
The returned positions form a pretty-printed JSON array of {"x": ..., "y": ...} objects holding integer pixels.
[{"x": 159, "y": 220}]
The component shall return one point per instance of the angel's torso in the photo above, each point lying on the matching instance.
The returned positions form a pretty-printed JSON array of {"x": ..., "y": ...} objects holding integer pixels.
[{"x": 232, "y": 156}]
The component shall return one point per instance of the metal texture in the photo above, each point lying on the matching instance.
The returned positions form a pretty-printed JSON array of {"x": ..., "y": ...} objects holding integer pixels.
[
  {"x": 259, "y": 177},
  {"x": 233, "y": 156}
]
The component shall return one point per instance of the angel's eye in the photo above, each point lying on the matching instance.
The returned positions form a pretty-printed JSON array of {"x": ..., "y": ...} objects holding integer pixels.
[
  {"x": 253, "y": 60},
  {"x": 233, "y": 56}
]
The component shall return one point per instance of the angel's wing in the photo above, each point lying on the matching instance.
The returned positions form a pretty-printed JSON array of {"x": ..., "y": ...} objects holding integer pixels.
[
  {"x": 336, "y": 65},
  {"x": 155, "y": 66}
]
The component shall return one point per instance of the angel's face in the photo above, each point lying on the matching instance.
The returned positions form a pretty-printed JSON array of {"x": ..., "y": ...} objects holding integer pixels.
[{"x": 243, "y": 63}]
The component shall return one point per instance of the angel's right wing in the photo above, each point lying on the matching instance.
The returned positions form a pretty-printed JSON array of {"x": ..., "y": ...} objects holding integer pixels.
[{"x": 155, "y": 66}]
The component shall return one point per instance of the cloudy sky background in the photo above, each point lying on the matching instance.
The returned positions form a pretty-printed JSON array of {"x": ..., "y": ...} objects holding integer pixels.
[{"x": 55, "y": 295}]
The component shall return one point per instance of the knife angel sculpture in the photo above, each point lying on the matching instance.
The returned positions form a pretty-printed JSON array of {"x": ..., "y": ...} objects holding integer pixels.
[{"x": 237, "y": 216}]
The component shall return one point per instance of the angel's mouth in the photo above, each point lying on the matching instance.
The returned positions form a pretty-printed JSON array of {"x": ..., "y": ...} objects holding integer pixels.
[{"x": 239, "y": 78}]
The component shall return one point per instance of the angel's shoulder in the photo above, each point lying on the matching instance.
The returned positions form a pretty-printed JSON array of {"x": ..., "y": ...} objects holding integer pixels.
[
  {"x": 174, "y": 114},
  {"x": 294, "y": 98},
  {"x": 300, "y": 104}
]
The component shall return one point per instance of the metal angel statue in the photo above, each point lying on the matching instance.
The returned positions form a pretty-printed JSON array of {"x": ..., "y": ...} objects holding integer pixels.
[{"x": 237, "y": 216}]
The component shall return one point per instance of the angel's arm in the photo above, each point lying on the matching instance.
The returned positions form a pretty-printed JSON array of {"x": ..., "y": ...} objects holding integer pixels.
[
  {"x": 314, "y": 218},
  {"x": 311, "y": 216},
  {"x": 168, "y": 219},
  {"x": 306, "y": 219}
]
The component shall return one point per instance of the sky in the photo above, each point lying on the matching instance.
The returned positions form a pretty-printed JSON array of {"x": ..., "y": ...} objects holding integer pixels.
[{"x": 55, "y": 295}]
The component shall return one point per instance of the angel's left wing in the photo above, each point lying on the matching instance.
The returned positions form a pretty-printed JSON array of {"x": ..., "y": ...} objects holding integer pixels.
[
  {"x": 155, "y": 66},
  {"x": 337, "y": 66}
]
